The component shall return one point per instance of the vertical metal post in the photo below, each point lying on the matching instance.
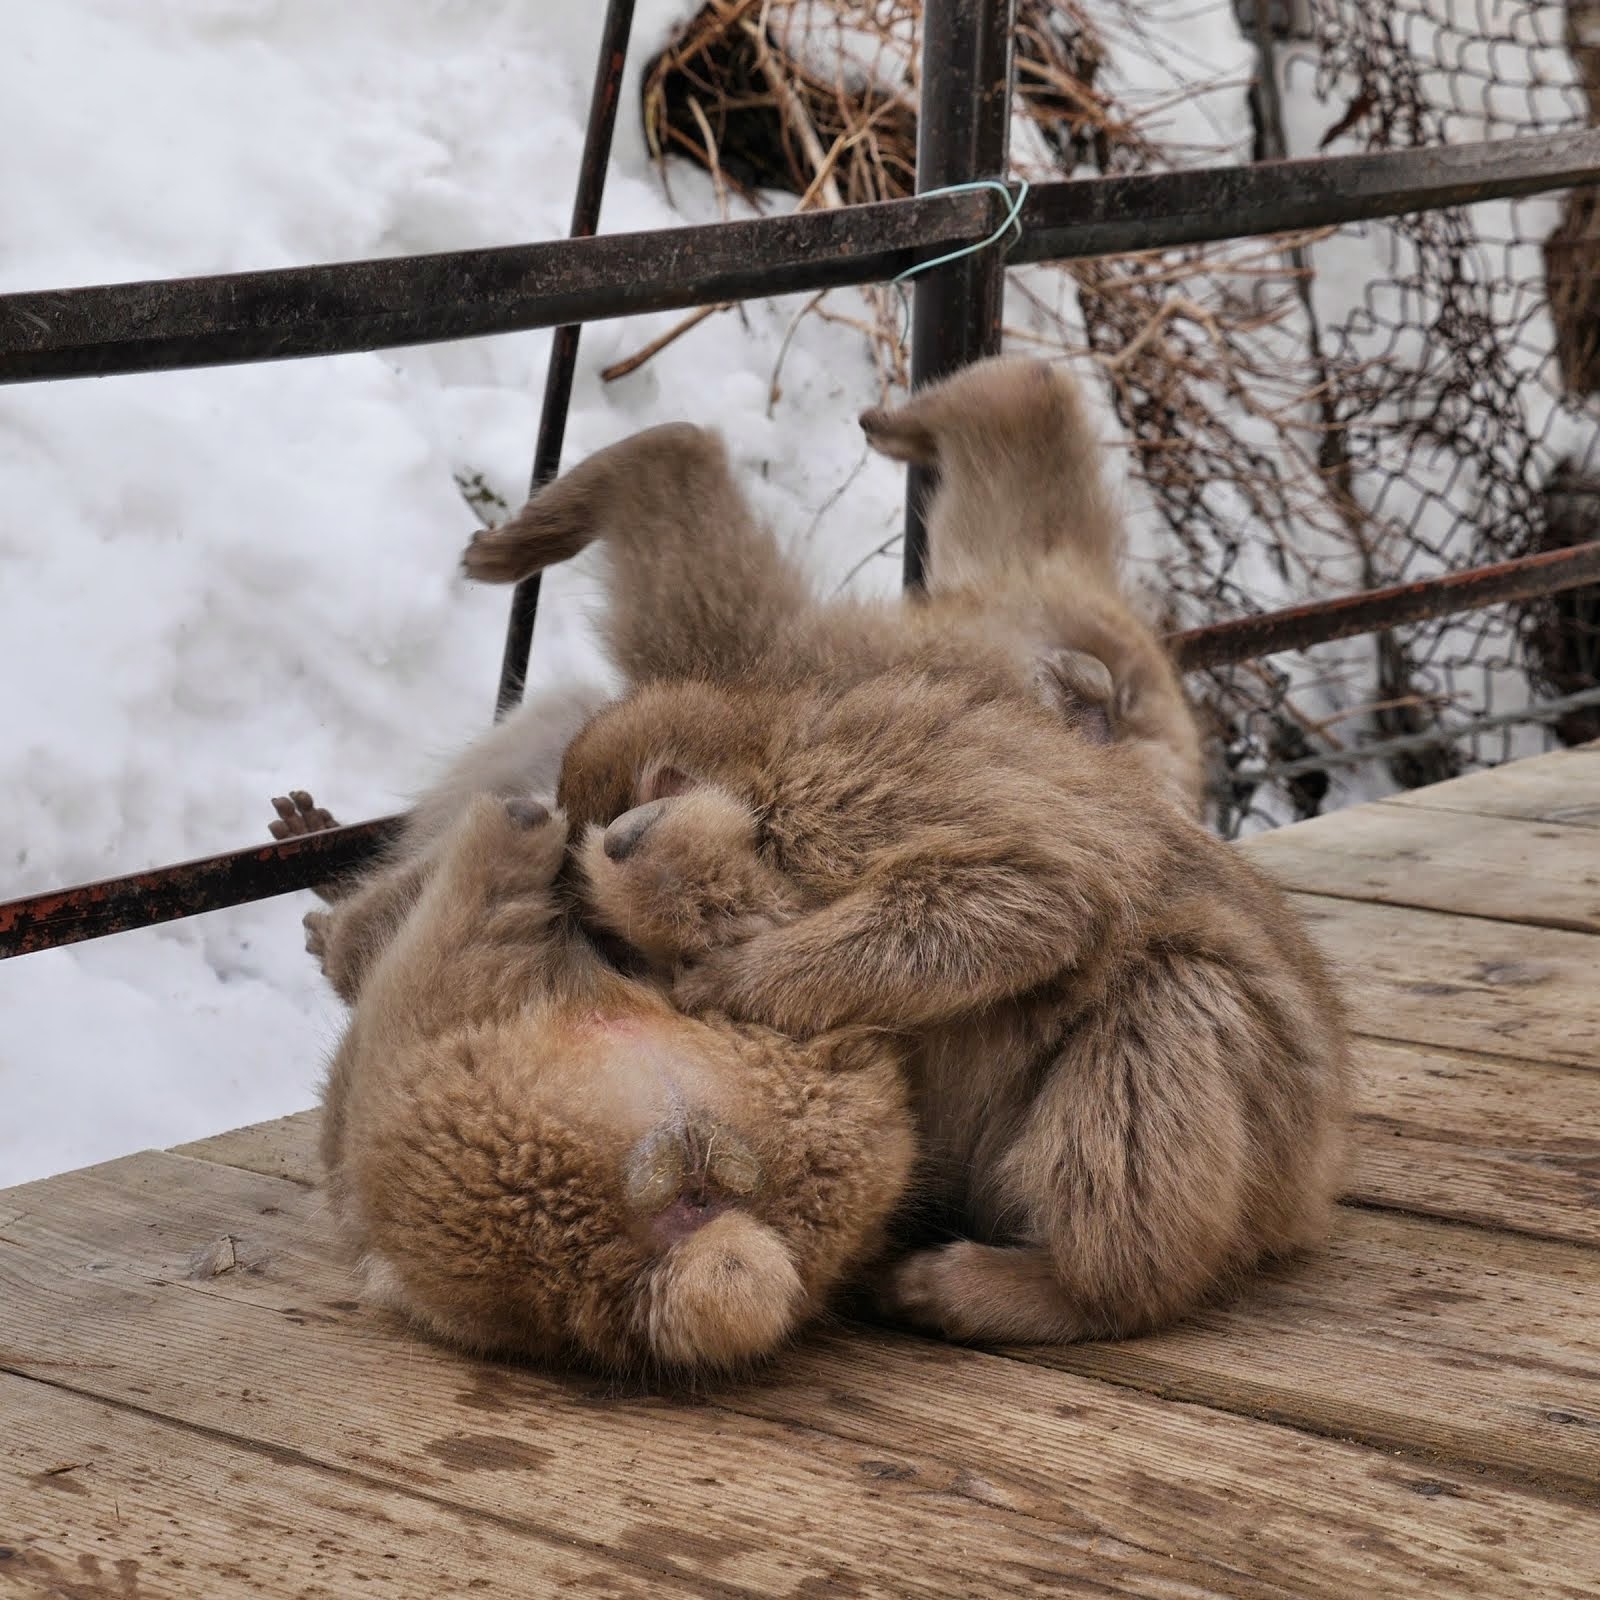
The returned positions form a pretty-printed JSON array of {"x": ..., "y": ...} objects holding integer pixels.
[
  {"x": 564, "y": 346},
  {"x": 963, "y": 132}
]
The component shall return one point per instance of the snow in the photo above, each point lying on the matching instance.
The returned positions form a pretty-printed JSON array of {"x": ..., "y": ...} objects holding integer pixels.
[{"x": 221, "y": 584}]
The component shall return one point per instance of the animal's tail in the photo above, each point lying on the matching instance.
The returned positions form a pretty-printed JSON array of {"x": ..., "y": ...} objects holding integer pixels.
[
  {"x": 722, "y": 1296},
  {"x": 723, "y": 1289},
  {"x": 696, "y": 587}
]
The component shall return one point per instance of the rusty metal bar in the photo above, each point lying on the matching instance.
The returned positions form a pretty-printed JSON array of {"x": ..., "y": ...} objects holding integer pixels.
[
  {"x": 564, "y": 347},
  {"x": 374, "y": 305},
  {"x": 1245, "y": 638},
  {"x": 1112, "y": 216},
  {"x": 963, "y": 133},
  {"x": 65, "y": 916}
]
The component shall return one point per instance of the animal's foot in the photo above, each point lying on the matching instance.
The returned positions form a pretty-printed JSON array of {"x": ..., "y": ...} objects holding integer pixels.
[
  {"x": 316, "y": 925},
  {"x": 915, "y": 1292},
  {"x": 527, "y": 813},
  {"x": 298, "y": 815},
  {"x": 899, "y": 436}
]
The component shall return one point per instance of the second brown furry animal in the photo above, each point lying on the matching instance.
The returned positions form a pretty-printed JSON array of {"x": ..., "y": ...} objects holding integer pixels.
[
  {"x": 533, "y": 1154},
  {"x": 1131, "y": 1070}
]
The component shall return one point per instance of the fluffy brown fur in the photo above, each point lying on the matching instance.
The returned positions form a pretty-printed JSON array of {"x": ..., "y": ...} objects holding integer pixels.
[
  {"x": 535, "y": 1154},
  {"x": 1131, "y": 1069},
  {"x": 1024, "y": 550},
  {"x": 521, "y": 755},
  {"x": 1022, "y": 533}
]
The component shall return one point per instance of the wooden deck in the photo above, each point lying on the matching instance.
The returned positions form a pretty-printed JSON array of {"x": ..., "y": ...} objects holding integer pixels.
[{"x": 191, "y": 1403}]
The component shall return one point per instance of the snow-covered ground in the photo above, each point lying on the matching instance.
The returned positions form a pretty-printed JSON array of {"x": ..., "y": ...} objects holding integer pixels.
[{"x": 219, "y": 584}]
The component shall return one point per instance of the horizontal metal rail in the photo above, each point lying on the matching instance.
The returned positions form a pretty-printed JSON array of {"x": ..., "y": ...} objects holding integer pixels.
[
  {"x": 1245, "y": 638},
  {"x": 67, "y": 916},
  {"x": 374, "y": 305},
  {"x": 163, "y": 894}
]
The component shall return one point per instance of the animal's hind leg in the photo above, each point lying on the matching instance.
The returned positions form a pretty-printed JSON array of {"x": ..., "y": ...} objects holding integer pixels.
[
  {"x": 1019, "y": 480},
  {"x": 1132, "y": 1180},
  {"x": 985, "y": 1294},
  {"x": 696, "y": 587},
  {"x": 478, "y": 942}
]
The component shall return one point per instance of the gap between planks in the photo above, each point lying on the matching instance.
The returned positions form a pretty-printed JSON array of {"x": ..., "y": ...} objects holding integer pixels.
[{"x": 1498, "y": 868}]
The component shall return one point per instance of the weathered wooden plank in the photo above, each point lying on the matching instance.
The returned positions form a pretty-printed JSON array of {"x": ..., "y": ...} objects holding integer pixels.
[
  {"x": 1514, "y": 870},
  {"x": 1478, "y": 1345},
  {"x": 1464, "y": 983},
  {"x": 285, "y": 1147},
  {"x": 96, "y": 1500},
  {"x": 868, "y": 1464},
  {"x": 1506, "y": 1144},
  {"x": 1563, "y": 786}
]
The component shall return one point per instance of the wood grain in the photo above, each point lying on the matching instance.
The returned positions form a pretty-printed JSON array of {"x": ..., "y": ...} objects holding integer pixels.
[
  {"x": 1505, "y": 1144},
  {"x": 285, "y": 1147},
  {"x": 1464, "y": 983},
  {"x": 96, "y": 1500},
  {"x": 867, "y": 1465},
  {"x": 1563, "y": 786},
  {"x": 1480, "y": 1346},
  {"x": 1512, "y": 870}
]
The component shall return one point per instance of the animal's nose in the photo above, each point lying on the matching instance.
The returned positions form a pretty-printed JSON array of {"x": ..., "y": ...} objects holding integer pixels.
[{"x": 623, "y": 836}]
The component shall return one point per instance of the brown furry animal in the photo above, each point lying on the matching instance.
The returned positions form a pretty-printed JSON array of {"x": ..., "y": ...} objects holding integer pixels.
[
  {"x": 1023, "y": 573},
  {"x": 1131, "y": 1070},
  {"x": 534, "y": 1154}
]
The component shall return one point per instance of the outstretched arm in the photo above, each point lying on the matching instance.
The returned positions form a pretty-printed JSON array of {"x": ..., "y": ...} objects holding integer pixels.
[
  {"x": 923, "y": 940},
  {"x": 478, "y": 943},
  {"x": 696, "y": 588}
]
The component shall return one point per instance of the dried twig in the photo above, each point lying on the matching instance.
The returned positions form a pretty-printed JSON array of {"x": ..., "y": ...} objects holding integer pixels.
[{"x": 621, "y": 369}]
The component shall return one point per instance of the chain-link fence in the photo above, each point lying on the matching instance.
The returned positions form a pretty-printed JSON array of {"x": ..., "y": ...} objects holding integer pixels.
[{"x": 1303, "y": 416}]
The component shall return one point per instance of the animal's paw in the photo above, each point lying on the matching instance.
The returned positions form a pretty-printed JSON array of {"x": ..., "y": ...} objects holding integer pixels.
[
  {"x": 332, "y": 953},
  {"x": 527, "y": 813},
  {"x": 709, "y": 985},
  {"x": 316, "y": 925},
  {"x": 494, "y": 555},
  {"x": 298, "y": 815},
  {"x": 899, "y": 436},
  {"x": 924, "y": 1290}
]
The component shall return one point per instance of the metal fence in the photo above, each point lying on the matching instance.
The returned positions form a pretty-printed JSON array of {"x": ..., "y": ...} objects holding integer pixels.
[{"x": 965, "y": 88}]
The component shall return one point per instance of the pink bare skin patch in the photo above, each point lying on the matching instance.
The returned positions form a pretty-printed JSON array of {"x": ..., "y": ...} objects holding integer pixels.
[{"x": 686, "y": 1215}]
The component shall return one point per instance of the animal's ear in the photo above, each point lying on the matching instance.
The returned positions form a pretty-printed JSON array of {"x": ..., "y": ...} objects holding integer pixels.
[
  {"x": 1079, "y": 688},
  {"x": 662, "y": 781}
]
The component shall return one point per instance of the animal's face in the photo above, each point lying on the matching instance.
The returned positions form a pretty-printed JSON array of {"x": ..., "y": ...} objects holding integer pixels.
[
  {"x": 698, "y": 727},
  {"x": 680, "y": 874}
]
